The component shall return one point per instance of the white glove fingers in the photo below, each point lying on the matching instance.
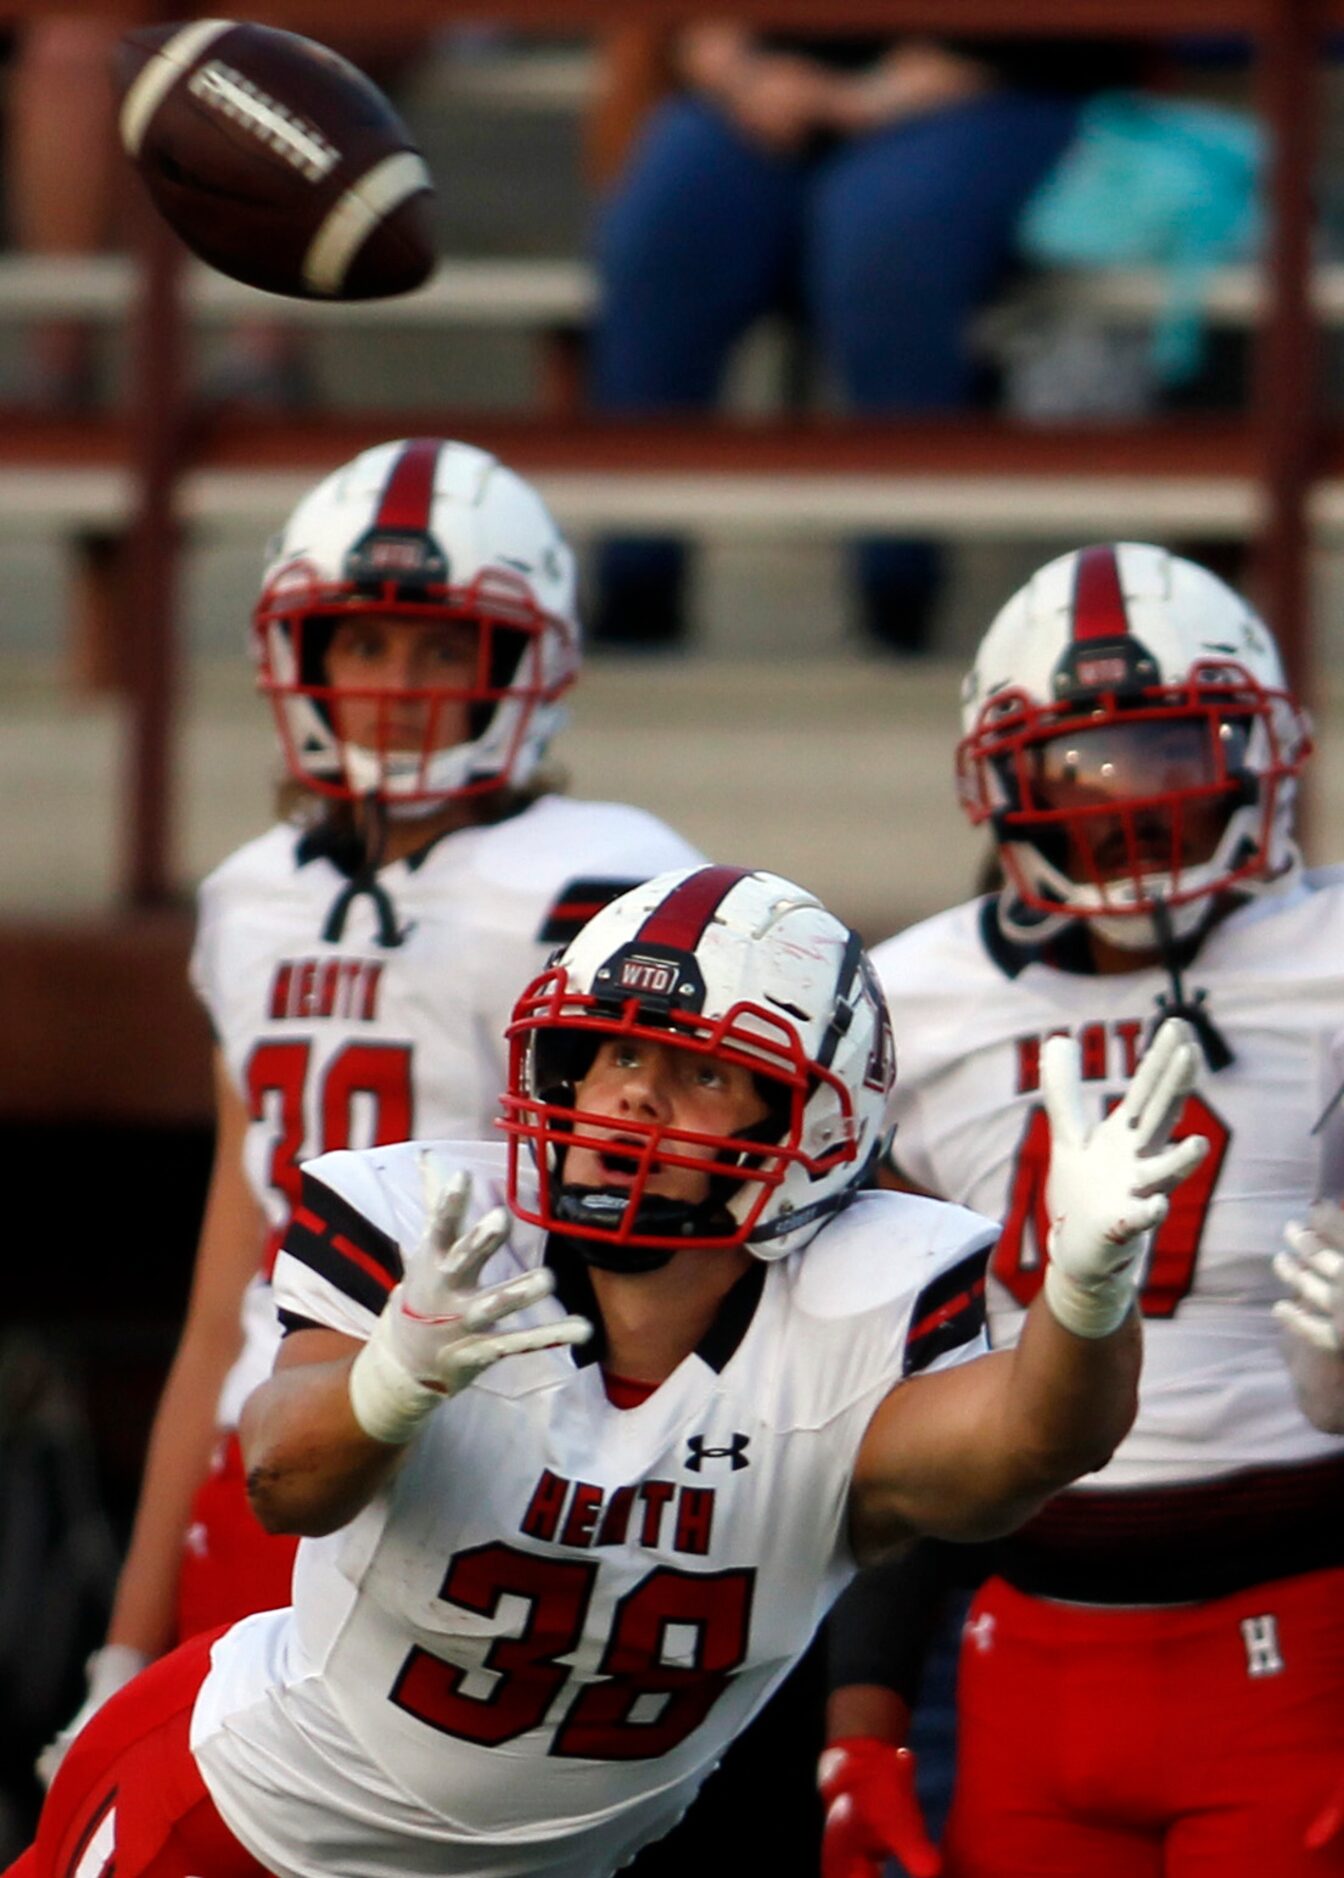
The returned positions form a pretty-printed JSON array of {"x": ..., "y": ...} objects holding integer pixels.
[
  {"x": 1062, "y": 1089},
  {"x": 1307, "y": 1325},
  {"x": 1326, "y": 1220},
  {"x": 1160, "y": 1172},
  {"x": 464, "y": 1261},
  {"x": 444, "y": 1197},
  {"x": 1327, "y": 1263},
  {"x": 515, "y": 1294},
  {"x": 1302, "y": 1240},
  {"x": 1313, "y": 1288},
  {"x": 1144, "y": 1212},
  {"x": 1165, "y": 1076},
  {"x": 489, "y": 1349}
]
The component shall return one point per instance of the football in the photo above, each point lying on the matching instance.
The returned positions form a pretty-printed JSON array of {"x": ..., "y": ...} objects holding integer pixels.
[{"x": 276, "y": 160}]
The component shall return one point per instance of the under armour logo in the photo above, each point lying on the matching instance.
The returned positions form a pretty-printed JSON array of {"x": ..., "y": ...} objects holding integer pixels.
[
  {"x": 735, "y": 1453},
  {"x": 980, "y": 1631},
  {"x": 1261, "y": 1637}
]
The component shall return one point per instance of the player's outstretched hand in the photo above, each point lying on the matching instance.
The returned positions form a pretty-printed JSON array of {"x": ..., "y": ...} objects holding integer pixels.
[
  {"x": 1108, "y": 1185},
  {"x": 1312, "y": 1267},
  {"x": 439, "y": 1329},
  {"x": 872, "y": 1811},
  {"x": 106, "y": 1671}
]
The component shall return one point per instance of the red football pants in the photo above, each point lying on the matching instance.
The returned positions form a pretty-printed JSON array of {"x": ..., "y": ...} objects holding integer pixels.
[
  {"x": 128, "y": 1794},
  {"x": 230, "y": 1566},
  {"x": 1194, "y": 1741}
]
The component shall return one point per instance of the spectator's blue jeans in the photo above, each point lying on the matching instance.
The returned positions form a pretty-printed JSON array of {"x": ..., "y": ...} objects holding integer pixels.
[{"x": 886, "y": 244}]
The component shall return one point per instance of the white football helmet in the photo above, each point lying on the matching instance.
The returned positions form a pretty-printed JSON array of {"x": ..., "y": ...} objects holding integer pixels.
[
  {"x": 1129, "y": 736},
  {"x": 721, "y": 962},
  {"x": 420, "y": 529}
]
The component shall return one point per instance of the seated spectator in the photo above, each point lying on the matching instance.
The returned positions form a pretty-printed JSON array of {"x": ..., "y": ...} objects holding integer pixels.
[{"x": 875, "y": 187}]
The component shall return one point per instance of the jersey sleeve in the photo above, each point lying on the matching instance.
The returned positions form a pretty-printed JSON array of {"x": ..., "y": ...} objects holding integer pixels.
[
  {"x": 893, "y": 1288},
  {"x": 341, "y": 1255},
  {"x": 947, "y": 1323}
]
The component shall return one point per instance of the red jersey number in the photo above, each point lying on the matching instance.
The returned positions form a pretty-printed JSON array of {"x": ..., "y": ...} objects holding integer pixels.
[
  {"x": 525, "y": 1675},
  {"x": 1019, "y": 1258},
  {"x": 378, "y": 1074}
]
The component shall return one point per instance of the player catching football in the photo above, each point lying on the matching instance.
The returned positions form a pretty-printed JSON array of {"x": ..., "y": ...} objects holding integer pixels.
[
  {"x": 1152, "y": 1675},
  {"x": 415, "y": 631},
  {"x": 585, "y": 1429}
]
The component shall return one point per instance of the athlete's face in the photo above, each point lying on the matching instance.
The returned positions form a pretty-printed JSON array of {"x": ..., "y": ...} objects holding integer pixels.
[
  {"x": 389, "y": 666},
  {"x": 1129, "y": 769},
  {"x": 634, "y": 1080}
]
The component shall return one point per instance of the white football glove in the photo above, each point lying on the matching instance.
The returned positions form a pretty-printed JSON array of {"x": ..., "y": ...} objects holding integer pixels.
[
  {"x": 437, "y": 1331},
  {"x": 106, "y": 1671},
  {"x": 1313, "y": 1270},
  {"x": 1107, "y": 1185}
]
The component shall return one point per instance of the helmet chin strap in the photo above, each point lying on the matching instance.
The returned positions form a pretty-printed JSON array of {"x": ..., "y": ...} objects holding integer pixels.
[
  {"x": 1191, "y": 1006},
  {"x": 604, "y": 1209},
  {"x": 372, "y": 822}
]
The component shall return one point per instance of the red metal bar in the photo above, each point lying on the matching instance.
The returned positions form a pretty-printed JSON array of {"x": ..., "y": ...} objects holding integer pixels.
[
  {"x": 946, "y": 17},
  {"x": 1286, "y": 412},
  {"x": 157, "y": 395}
]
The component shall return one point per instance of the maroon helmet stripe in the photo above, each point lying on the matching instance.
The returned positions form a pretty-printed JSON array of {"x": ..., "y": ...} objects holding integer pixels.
[
  {"x": 410, "y": 488},
  {"x": 680, "y": 921},
  {"x": 1098, "y": 601}
]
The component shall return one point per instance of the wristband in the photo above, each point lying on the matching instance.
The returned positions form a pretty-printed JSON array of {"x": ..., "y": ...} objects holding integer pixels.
[
  {"x": 388, "y": 1403},
  {"x": 1093, "y": 1310}
]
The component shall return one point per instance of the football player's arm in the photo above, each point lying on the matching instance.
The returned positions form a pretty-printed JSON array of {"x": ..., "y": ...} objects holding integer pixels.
[
  {"x": 322, "y": 1435},
  {"x": 877, "y": 1637},
  {"x": 310, "y": 1465},
  {"x": 970, "y": 1452},
  {"x": 228, "y": 1256}
]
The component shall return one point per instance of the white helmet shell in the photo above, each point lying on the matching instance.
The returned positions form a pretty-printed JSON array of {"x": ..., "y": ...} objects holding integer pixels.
[
  {"x": 1106, "y": 635},
  {"x": 726, "y": 962},
  {"x": 420, "y": 529}
]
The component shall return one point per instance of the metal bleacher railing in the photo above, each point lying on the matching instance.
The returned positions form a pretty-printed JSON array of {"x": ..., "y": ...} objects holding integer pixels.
[{"x": 145, "y": 477}]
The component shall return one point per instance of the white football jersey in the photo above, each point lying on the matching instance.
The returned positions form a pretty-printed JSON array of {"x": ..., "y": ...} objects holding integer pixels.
[
  {"x": 349, "y": 1018},
  {"x": 527, "y": 1652},
  {"x": 970, "y": 1018}
]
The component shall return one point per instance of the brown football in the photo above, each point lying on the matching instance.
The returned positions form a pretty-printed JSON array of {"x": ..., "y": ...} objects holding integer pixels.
[{"x": 276, "y": 160}]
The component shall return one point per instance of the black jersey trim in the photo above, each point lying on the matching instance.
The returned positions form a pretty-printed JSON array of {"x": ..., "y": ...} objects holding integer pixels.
[
  {"x": 733, "y": 1319},
  {"x": 1066, "y": 950},
  {"x": 574, "y": 1290},
  {"x": 291, "y": 1321},
  {"x": 576, "y": 904},
  {"x": 949, "y": 1312},
  {"x": 333, "y": 1239}
]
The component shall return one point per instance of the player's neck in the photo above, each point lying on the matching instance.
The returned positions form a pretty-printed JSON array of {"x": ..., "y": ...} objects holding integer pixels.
[
  {"x": 406, "y": 836},
  {"x": 653, "y": 1320},
  {"x": 1108, "y": 958}
]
